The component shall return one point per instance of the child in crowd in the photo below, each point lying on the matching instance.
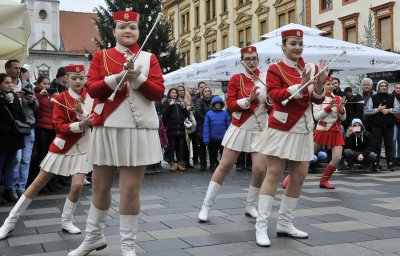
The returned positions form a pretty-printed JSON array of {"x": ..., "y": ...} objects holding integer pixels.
[{"x": 216, "y": 123}]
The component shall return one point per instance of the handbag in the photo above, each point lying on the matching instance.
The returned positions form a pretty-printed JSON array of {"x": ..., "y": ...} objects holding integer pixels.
[
  {"x": 190, "y": 123},
  {"x": 20, "y": 127}
]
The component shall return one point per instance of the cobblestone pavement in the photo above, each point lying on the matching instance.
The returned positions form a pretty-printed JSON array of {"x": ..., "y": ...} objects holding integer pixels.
[{"x": 360, "y": 217}]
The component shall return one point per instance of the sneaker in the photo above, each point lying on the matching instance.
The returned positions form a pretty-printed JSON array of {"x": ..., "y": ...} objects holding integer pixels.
[
  {"x": 86, "y": 182},
  {"x": 391, "y": 166},
  {"x": 10, "y": 195}
]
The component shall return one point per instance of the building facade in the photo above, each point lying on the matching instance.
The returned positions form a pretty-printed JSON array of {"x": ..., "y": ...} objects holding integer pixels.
[
  {"x": 58, "y": 38},
  {"x": 346, "y": 20},
  {"x": 203, "y": 27}
]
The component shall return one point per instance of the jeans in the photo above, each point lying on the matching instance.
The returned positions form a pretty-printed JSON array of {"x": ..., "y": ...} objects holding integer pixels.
[
  {"x": 7, "y": 162},
  {"x": 176, "y": 145},
  {"x": 23, "y": 160},
  {"x": 352, "y": 155},
  {"x": 320, "y": 156}
]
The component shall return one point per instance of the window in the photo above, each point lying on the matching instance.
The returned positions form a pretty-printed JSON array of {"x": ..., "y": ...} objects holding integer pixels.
[
  {"x": 197, "y": 54},
  {"x": 281, "y": 20},
  {"x": 185, "y": 26},
  {"x": 210, "y": 9},
  {"x": 327, "y": 27},
  {"x": 244, "y": 36},
  {"x": 225, "y": 42},
  {"x": 196, "y": 16},
  {"x": 211, "y": 48},
  {"x": 351, "y": 35},
  {"x": 325, "y": 5},
  {"x": 344, "y": 2},
  {"x": 42, "y": 14},
  {"x": 384, "y": 24},
  {"x": 224, "y": 6},
  {"x": 263, "y": 28},
  {"x": 292, "y": 16},
  {"x": 186, "y": 58},
  {"x": 350, "y": 27}
]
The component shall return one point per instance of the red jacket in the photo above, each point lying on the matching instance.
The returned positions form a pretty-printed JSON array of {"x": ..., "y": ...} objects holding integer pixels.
[
  {"x": 152, "y": 88},
  {"x": 45, "y": 111},
  {"x": 63, "y": 118},
  {"x": 280, "y": 77},
  {"x": 235, "y": 92}
]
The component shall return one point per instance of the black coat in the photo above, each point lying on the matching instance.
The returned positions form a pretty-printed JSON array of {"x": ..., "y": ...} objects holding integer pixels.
[
  {"x": 173, "y": 116},
  {"x": 354, "y": 110},
  {"x": 201, "y": 108},
  {"x": 10, "y": 139}
]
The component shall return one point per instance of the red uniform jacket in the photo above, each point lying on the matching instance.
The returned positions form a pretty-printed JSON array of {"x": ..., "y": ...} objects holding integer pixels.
[
  {"x": 109, "y": 62},
  {"x": 280, "y": 77},
  {"x": 62, "y": 119},
  {"x": 237, "y": 91},
  {"x": 45, "y": 110}
]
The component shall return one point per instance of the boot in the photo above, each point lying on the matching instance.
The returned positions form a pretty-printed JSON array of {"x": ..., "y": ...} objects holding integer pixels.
[
  {"x": 326, "y": 175},
  {"x": 9, "y": 223},
  {"x": 285, "y": 220},
  {"x": 285, "y": 181},
  {"x": 264, "y": 210},
  {"x": 127, "y": 230},
  {"x": 172, "y": 167},
  {"x": 94, "y": 237},
  {"x": 251, "y": 204},
  {"x": 211, "y": 194},
  {"x": 66, "y": 218},
  {"x": 181, "y": 166}
]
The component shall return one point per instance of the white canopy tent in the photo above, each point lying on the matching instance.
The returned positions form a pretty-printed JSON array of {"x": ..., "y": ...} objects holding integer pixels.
[
  {"x": 358, "y": 59},
  {"x": 306, "y": 30},
  {"x": 14, "y": 31}
]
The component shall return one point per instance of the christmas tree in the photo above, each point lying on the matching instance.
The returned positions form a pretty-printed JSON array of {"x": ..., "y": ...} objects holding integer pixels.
[{"x": 158, "y": 43}]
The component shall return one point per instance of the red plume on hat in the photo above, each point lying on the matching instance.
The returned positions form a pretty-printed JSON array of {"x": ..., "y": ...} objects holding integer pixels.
[
  {"x": 295, "y": 33},
  {"x": 329, "y": 79},
  {"x": 74, "y": 68},
  {"x": 248, "y": 49},
  {"x": 126, "y": 16}
]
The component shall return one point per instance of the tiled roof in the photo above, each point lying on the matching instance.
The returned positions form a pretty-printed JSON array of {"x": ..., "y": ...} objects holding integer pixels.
[{"x": 78, "y": 31}]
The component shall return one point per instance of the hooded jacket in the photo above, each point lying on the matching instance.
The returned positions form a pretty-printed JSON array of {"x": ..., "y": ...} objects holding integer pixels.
[
  {"x": 216, "y": 122},
  {"x": 361, "y": 141}
]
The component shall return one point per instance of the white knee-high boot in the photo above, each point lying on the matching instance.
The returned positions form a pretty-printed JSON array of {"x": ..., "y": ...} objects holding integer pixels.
[
  {"x": 128, "y": 230},
  {"x": 285, "y": 221},
  {"x": 251, "y": 203},
  {"x": 264, "y": 211},
  {"x": 67, "y": 216},
  {"x": 94, "y": 237},
  {"x": 211, "y": 194},
  {"x": 9, "y": 223}
]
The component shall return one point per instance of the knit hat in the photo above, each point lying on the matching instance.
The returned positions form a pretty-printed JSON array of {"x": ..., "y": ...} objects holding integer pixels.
[
  {"x": 379, "y": 83},
  {"x": 61, "y": 72}
]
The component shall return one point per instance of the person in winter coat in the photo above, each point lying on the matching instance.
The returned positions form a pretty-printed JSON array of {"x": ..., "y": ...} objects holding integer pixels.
[
  {"x": 358, "y": 145},
  {"x": 174, "y": 114},
  {"x": 216, "y": 123},
  {"x": 354, "y": 107},
  {"x": 381, "y": 108},
  {"x": 202, "y": 106},
  {"x": 11, "y": 141}
]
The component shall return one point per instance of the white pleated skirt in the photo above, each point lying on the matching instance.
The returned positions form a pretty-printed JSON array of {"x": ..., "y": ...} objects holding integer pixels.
[
  {"x": 285, "y": 145},
  {"x": 65, "y": 165},
  {"x": 128, "y": 147},
  {"x": 240, "y": 139}
]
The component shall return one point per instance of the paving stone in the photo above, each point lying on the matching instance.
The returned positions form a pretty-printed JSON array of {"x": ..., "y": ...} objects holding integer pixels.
[
  {"x": 21, "y": 250},
  {"x": 383, "y": 246},
  {"x": 332, "y": 218},
  {"x": 163, "y": 245},
  {"x": 330, "y": 238},
  {"x": 177, "y": 232},
  {"x": 338, "y": 249},
  {"x": 34, "y": 239},
  {"x": 222, "y": 238},
  {"x": 342, "y": 226}
]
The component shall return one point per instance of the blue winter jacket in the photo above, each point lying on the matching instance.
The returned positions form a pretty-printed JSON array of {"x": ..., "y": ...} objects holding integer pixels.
[{"x": 216, "y": 122}]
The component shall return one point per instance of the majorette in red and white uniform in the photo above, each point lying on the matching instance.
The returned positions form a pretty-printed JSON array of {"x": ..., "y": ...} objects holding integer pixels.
[
  {"x": 289, "y": 132},
  {"x": 68, "y": 152},
  {"x": 125, "y": 130},
  {"x": 248, "y": 120},
  {"x": 328, "y": 131}
]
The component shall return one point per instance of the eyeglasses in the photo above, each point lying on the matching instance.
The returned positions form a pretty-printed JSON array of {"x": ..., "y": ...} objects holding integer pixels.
[{"x": 249, "y": 59}]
